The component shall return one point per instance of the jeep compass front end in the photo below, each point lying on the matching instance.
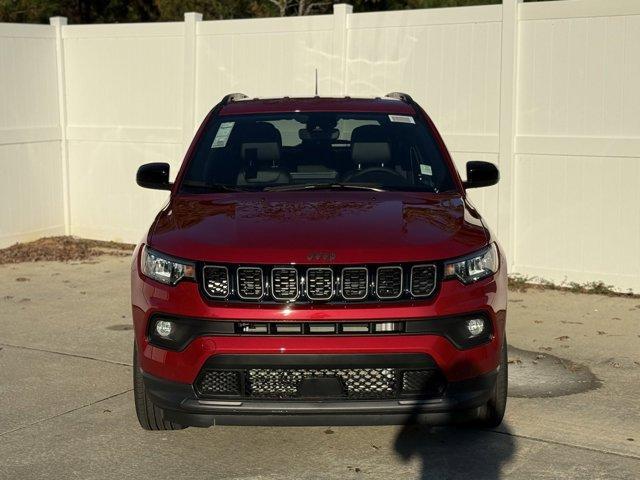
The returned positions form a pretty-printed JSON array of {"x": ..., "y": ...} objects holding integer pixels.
[{"x": 318, "y": 262}]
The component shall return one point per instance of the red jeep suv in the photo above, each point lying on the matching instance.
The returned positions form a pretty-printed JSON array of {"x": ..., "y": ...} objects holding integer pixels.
[{"x": 318, "y": 262}]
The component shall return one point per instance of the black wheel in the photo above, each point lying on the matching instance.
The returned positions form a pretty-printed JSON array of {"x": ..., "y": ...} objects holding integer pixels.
[
  {"x": 149, "y": 416},
  {"x": 491, "y": 414}
]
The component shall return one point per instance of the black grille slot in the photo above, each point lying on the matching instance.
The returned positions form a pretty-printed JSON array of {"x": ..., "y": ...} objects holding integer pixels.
[
  {"x": 389, "y": 282},
  {"x": 354, "y": 283},
  {"x": 219, "y": 382},
  {"x": 284, "y": 283},
  {"x": 357, "y": 383},
  {"x": 423, "y": 280},
  {"x": 422, "y": 383},
  {"x": 250, "y": 283},
  {"x": 216, "y": 281},
  {"x": 319, "y": 283}
]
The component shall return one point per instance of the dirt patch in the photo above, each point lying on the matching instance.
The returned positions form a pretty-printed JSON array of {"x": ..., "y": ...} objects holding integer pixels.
[
  {"x": 62, "y": 249},
  {"x": 521, "y": 283}
]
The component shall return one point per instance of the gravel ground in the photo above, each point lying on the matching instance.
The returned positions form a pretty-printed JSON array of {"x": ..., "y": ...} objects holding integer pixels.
[{"x": 66, "y": 406}]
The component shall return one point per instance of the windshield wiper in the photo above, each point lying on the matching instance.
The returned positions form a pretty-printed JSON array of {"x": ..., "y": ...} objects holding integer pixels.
[
  {"x": 323, "y": 186},
  {"x": 211, "y": 187}
]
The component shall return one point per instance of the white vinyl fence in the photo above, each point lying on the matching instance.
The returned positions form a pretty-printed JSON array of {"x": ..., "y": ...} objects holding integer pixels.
[{"x": 549, "y": 91}]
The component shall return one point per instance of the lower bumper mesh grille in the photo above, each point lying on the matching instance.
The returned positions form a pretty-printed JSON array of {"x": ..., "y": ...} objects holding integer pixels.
[
  {"x": 293, "y": 383},
  {"x": 222, "y": 382},
  {"x": 357, "y": 383}
]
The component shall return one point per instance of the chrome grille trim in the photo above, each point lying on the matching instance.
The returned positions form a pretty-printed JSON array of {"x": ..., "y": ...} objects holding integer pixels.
[
  {"x": 204, "y": 281},
  {"x": 366, "y": 283},
  {"x": 273, "y": 284},
  {"x": 239, "y": 284},
  {"x": 332, "y": 280},
  {"x": 435, "y": 280},
  {"x": 389, "y": 297}
]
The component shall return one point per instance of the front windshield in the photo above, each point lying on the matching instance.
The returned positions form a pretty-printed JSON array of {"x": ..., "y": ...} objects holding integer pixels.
[{"x": 291, "y": 151}]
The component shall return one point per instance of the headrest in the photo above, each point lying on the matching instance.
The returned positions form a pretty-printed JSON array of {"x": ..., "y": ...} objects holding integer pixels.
[
  {"x": 369, "y": 133},
  {"x": 260, "y": 153},
  {"x": 370, "y": 145},
  {"x": 256, "y": 132},
  {"x": 260, "y": 143}
]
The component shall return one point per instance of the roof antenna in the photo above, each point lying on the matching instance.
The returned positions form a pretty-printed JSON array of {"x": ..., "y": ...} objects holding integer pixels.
[{"x": 316, "y": 82}]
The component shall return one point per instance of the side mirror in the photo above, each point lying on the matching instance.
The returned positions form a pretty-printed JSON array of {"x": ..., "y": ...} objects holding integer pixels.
[
  {"x": 481, "y": 174},
  {"x": 154, "y": 175}
]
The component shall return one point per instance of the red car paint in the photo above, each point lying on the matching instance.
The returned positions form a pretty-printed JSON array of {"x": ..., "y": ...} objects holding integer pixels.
[
  {"x": 487, "y": 296},
  {"x": 284, "y": 227},
  {"x": 373, "y": 227}
]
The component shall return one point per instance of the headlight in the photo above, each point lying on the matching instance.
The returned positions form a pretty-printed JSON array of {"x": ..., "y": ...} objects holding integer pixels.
[
  {"x": 165, "y": 269},
  {"x": 474, "y": 267}
]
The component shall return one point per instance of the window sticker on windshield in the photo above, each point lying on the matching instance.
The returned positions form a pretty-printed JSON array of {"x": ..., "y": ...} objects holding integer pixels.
[
  {"x": 425, "y": 169},
  {"x": 401, "y": 119},
  {"x": 222, "y": 135}
]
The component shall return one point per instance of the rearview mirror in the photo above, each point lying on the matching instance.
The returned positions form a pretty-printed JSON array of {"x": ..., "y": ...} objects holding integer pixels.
[
  {"x": 481, "y": 174},
  {"x": 154, "y": 175}
]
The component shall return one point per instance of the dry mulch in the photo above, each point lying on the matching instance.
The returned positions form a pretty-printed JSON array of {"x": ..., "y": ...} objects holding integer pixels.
[{"x": 62, "y": 249}]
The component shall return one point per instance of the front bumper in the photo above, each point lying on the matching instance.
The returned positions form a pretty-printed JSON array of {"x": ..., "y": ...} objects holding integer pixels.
[
  {"x": 170, "y": 375},
  {"x": 487, "y": 297},
  {"x": 182, "y": 405}
]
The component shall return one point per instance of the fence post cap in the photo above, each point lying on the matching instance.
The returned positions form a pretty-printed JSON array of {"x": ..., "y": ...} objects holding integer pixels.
[
  {"x": 192, "y": 17},
  {"x": 56, "y": 21},
  {"x": 342, "y": 8}
]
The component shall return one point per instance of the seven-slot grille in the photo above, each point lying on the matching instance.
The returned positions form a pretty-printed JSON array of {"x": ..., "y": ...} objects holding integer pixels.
[{"x": 321, "y": 284}]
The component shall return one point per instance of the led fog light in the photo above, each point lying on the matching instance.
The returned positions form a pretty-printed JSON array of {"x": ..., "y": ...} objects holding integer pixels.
[
  {"x": 475, "y": 326},
  {"x": 164, "y": 328}
]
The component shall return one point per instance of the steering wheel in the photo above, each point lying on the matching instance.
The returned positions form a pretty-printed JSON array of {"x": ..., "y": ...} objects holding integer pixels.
[{"x": 395, "y": 176}]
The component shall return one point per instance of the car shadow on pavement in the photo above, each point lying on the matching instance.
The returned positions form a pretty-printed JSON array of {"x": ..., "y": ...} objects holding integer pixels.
[{"x": 456, "y": 452}]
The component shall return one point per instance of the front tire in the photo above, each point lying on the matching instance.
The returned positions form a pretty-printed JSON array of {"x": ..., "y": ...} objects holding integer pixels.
[
  {"x": 491, "y": 414},
  {"x": 149, "y": 415}
]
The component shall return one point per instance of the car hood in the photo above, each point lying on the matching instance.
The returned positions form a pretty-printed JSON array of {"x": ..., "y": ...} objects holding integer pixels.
[{"x": 318, "y": 227}]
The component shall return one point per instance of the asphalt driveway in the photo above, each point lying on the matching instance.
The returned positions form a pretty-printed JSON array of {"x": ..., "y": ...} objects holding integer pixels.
[{"x": 66, "y": 405}]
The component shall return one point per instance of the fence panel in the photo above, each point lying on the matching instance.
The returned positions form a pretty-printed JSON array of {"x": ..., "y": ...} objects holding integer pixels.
[
  {"x": 30, "y": 164},
  {"x": 124, "y": 108},
  {"x": 262, "y": 58},
  {"x": 546, "y": 90},
  {"x": 577, "y": 162}
]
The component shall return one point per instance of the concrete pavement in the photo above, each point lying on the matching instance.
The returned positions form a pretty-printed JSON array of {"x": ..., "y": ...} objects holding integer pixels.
[{"x": 66, "y": 406}]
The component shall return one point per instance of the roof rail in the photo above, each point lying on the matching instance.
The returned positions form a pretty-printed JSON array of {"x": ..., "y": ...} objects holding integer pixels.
[
  {"x": 233, "y": 97},
  {"x": 404, "y": 97}
]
